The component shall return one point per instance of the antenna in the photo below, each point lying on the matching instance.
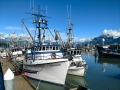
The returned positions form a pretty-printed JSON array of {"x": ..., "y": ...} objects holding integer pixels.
[
  {"x": 67, "y": 11},
  {"x": 46, "y": 11},
  {"x": 70, "y": 11},
  {"x": 32, "y": 6}
]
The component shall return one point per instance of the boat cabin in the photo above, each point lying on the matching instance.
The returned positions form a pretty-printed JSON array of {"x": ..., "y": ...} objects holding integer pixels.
[{"x": 44, "y": 52}]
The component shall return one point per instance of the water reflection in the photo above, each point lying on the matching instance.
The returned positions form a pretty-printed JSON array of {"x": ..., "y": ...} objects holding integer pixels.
[
  {"x": 103, "y": 67},
  {"x": 106, "y": 61},
  {"x": 75, "y": 81},
  {"x": 112, "y": 61},
  {"x": 96, "y": 79},
  {"x": 96, "y": 58},
  {"x": 46, "y": 86},
  {"x": 70, "y": 83}
]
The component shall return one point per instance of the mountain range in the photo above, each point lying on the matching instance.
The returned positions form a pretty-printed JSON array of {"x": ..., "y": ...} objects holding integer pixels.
[
  {"x": 107, "y": 40},
  {"x": 97, "y": 40}
]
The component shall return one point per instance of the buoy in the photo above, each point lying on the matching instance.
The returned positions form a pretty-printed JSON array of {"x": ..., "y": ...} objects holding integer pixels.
[
  {"x": 25, "y": 73},
  {"x": 9, "y": 80}
]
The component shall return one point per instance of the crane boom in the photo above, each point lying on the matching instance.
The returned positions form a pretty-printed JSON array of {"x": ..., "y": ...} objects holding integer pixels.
[
  {"x": 58, "y": 37},
  {"x": 26, "y": 29}
]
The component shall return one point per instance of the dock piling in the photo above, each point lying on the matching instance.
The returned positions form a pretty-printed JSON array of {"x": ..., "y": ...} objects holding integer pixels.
[{"x": 9, "y": 80}]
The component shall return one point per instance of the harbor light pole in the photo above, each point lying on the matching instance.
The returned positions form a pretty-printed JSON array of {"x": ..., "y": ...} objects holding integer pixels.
[{"x": 103, "y": 40}]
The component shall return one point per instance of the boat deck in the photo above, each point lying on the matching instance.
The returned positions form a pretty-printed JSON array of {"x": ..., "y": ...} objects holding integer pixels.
[{"x": 20, "y": 81}]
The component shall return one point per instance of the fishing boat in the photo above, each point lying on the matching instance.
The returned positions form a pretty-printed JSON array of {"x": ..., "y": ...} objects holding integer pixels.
[
  {"x": 104, "y": 51},
  {"x": 44, "y": 61},
  {"x": 3, "y": 54},
  {"x": 78, "y": 65},
  {"x": 16, "y": 51}
]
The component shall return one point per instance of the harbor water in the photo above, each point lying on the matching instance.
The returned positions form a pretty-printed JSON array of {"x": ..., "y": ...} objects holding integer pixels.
[{"x": 102, "y": 74}]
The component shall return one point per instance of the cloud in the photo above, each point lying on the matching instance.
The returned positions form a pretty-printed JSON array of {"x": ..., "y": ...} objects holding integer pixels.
[
  {"x": 85, "y": 40},
  {"x": 1, "y": 36},
  {"x": 18, "y": 28},
  {"x": 112, "y": 33},
  {"x": 15, "y": 36},
  {"x": 12, "y": 28}
]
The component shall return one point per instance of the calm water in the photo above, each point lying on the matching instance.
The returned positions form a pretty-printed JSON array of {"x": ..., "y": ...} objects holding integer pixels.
[{"x": 102, "y": 74}]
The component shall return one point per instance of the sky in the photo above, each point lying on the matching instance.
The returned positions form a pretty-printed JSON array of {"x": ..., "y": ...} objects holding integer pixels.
[{"x": 91, "y": 18}]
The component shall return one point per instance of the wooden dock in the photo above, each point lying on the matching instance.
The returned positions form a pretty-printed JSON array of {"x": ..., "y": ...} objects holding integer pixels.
[{"x": 20, "y": 81}]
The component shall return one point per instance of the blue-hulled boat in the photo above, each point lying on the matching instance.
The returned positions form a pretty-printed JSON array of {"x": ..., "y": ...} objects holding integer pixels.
[
  {"x": 1, "y": 79},
  {"x": 104, "y": 51}
]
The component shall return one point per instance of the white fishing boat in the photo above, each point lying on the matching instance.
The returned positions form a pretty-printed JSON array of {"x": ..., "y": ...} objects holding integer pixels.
[
  {"x": 74, "y": 55},
  {"x": 16, "y": 56},
  {"x": 78, "y": 60},
  {"x": 44, "y": 61},
  {"x": 72, "y": 52},
  {"x": 4, "y": 54},
  {"x": 78, "y": 66},
  {"x": 74, "y": 70},
  {"x": 16, "y": 51}
]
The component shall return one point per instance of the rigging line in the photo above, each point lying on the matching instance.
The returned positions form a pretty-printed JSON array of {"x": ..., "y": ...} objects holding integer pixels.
[
  {"x": 33, "y": 56},
  {"x": 38, "y": 73},
  {"x": 51, "y": 33},
  {"x": 28, "y": 18},
  {"x": 35, "y": 35},
  {"x": 48, "y": 35},
  {"x": 43, "y": 34},
  {"x": 28, "y": 22}
]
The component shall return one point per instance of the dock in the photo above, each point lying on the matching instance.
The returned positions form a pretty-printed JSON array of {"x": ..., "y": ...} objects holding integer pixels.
[{"x": 20, "y": 81}]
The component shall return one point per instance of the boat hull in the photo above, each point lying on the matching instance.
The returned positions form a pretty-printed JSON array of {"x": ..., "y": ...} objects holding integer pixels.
[
  {"x": 107, "y": 53},
  {"x": 49, "y": 72},
  {"x": 78, "y": 71}
]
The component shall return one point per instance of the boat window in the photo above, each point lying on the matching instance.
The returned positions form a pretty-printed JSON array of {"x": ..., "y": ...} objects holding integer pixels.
[
  {"x": 53, "y": 47},
  {"x": 68, "y": 53},
  {"x": 74, "y": 52},
  {"x": 47, "y": 48},
  {"x": 39, "y": 48},
  {"x": 78, "y": 52},
  {"x": 71, "y": 52},
  {"x": 43, "y": 48},
  {"x": 57, "y": 48}
]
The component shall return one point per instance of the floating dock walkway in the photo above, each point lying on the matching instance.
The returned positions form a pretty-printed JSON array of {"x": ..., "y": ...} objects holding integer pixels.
[{"x": 20, "y": 81}]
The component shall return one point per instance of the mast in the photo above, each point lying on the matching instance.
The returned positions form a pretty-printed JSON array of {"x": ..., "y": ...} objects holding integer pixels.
[
  {"x": 41, "y": 24},
  {"x": 69, "y": 30}
]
